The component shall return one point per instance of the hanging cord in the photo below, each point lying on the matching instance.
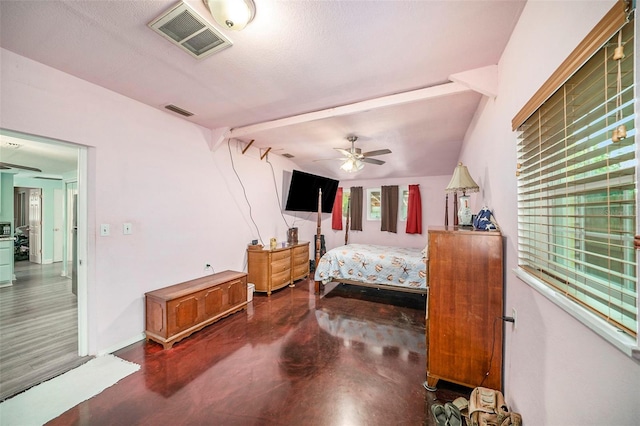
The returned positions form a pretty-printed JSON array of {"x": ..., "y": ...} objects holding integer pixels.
[
  {"x": 620, "y": 132},
  {"x": 275, "y": 185},
  {"x": 493, "y": 345},
  {"x": 244, "y": 191},
  {"x": 619, "y": 82}
]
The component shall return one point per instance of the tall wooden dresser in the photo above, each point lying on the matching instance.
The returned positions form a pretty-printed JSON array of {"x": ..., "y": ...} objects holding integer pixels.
[
  {"x": 464, "y": 325},
  {"x": 271, "y": 270}
]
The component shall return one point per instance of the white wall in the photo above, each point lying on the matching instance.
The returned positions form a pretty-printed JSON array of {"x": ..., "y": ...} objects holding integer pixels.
[
  {"x": 154, "y": 170},
  {"x": 557, "y": 372}
]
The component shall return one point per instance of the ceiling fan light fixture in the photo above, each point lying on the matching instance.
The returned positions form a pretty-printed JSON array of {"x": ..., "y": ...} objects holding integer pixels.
[
  {"x": 232, "y": 14},
  {"x": 352, "y": 165}
]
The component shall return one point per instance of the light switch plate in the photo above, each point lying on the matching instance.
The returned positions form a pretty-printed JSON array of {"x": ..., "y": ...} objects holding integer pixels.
[
  {"x": 127, "y": 229},
  {"x": 104, "y": 230}
]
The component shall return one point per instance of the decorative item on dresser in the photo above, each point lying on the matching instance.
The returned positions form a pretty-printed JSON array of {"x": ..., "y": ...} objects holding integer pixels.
[
  {"x": 465, "y": 307},
  {"x": 273, "y": 269},
  {"x": 177, "y": 311}
]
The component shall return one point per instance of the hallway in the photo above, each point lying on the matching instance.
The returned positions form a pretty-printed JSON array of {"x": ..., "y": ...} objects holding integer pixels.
[{"x": 38, "y": 327}]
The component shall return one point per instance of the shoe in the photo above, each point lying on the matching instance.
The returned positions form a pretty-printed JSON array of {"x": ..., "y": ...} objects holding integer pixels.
[
  {"x": 452, "y": 413},
  {"x": 439, "y": 414}
]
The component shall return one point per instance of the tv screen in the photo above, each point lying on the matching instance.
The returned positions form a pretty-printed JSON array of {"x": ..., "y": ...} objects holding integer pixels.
[{"x": 303, "y": 192}]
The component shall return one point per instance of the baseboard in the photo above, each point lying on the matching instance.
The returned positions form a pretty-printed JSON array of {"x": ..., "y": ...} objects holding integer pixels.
[
  {"x": 47, "y": 261},
  {"x": 122, "y": 344}
]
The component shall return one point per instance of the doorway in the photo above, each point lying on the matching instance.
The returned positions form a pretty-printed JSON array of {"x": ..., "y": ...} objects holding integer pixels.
[{"x": 42, "y": 210}]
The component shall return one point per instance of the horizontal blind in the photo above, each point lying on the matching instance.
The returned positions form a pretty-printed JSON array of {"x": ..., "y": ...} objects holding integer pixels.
[{"x": 576, "y": 187}]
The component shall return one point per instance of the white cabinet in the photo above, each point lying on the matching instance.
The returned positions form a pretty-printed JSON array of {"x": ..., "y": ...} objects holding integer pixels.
[{"x": 6, "y": 261}]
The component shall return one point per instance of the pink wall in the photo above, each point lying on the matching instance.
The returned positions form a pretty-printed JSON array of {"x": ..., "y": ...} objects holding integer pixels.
[
  {"x": 557, "y": 371},
  {"x": 432, "y": 194},
  {"x": 156, "y": 171},
  {"x": 153, "y": 170}
]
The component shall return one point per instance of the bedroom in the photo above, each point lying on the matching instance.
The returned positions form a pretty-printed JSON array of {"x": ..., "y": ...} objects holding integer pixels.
[{"x": 171, "y": 163}]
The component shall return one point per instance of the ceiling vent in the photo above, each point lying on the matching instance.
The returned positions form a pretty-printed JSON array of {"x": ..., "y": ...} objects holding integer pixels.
[
  {"x": 182, "y": 26},
  {"x": 178, "y": 110}
]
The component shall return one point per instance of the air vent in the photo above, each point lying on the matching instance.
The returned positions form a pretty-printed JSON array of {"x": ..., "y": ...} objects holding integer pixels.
[
  {"x": 182, "y": 26},
  {"x": 178, "y": 110},
  {"x": 287, "y": 155}
]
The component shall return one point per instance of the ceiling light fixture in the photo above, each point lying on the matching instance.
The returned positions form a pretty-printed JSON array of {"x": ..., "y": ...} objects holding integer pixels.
[
  {"x": 232, "y": 14},
  {"x": 352, "y": 165}
]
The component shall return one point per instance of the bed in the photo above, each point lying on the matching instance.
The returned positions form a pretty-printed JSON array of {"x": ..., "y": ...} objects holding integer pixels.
[
  {"x": 391, "y": 268},
  {"x": 394, "y": 268}
]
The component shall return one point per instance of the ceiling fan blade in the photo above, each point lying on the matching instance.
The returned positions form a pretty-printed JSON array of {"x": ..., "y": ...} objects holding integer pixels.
[
  {"x": 17, "y": 166},
  {"x": 372, "y": 161},
  {"x": 378, "y": 152},
  {"x": 344, "y": 152}
]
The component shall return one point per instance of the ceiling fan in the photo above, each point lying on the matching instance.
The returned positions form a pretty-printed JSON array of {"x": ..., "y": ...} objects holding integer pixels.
[
  {"x": 9, "y": 166},
  {"x": 354, "y": 158}
]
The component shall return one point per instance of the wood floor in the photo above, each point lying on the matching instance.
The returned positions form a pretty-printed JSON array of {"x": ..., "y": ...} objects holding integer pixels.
[
  {"x": 353, "y": 356},
  {"x": 38, "y": 328}
]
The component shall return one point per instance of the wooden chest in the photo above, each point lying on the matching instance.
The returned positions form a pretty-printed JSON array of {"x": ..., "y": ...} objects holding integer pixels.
[{"x": 177, "y": 311}]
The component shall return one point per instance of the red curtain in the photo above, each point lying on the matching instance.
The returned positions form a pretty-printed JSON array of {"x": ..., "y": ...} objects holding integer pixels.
[
  {"x": 414, "y": 211},
  {"x": 336, "y": 213}
]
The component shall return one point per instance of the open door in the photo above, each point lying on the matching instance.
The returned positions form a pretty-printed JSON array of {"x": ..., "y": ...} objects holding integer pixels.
[{"x": 35, "y": 225}]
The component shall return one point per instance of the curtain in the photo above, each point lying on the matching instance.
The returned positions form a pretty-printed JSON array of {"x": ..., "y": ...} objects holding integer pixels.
[
  {"x": 356, "y": 208},
  {"x": 389, "y": 208},
  {"x": 336, "y": 213},
  {"x": 414, "y": 211}
]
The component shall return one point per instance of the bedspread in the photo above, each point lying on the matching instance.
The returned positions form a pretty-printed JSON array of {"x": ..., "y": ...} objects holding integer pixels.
[{"x": 373, "y": 264}]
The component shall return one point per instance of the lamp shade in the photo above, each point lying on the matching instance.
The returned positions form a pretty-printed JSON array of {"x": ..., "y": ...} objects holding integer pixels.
[
  {"x": 232, "y": 14},
  {"x": 462, "y": 181}
]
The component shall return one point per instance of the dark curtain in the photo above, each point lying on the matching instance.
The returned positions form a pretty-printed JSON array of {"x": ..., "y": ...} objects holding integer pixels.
[
  {"x": 389, "y": 208},
  {"x": 414, "y": 211},
  {"x": 336, "y": 213},
  {"x": 356, "y": 208}
]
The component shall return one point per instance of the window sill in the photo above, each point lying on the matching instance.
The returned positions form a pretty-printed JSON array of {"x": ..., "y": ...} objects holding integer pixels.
[{"x": 622, "y": 341}]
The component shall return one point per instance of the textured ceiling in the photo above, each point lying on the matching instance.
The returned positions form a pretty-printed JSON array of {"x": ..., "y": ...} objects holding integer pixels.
[{"x": 296, "y": 57}]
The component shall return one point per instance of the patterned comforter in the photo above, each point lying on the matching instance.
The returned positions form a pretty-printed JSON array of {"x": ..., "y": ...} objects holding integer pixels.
[{"x": 372, "y": 264}]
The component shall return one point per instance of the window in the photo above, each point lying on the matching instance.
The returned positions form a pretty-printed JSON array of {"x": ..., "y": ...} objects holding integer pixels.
[
  {"x": 404, "y": 203},
  {"x": 374, "y": 197},
  {"x": 346, "y": 193},
  {"x": 577, "y": 187}
]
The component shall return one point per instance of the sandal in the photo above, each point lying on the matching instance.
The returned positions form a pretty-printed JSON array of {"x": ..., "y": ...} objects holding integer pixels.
[
  {"x": 454, "y": 418},
  {"x": 439, "y": 414}
]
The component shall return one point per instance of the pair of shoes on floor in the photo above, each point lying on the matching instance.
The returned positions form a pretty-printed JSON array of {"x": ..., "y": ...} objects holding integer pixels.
[{"x": 446, "y": 415}]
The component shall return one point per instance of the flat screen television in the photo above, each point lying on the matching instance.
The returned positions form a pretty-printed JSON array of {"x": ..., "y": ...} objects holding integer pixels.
[{"x": 303, "y": 192}]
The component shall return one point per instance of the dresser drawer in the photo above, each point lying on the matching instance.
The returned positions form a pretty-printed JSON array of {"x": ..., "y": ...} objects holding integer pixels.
[
  {"x": 280, "y": 255},
  {"x": 280, "y": 266},
  {"x": 300, "y": 271},
  {"x": 281, "y": 278},
  {"x": 300, "y": 259}
]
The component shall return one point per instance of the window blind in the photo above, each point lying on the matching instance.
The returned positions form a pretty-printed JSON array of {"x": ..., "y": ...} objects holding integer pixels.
[{"x": 577, "y": 188}]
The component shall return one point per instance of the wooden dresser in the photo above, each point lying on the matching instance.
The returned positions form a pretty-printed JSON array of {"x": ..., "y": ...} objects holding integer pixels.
[
  {"x": 271, "y": 270},
  {"x": 175, "y": 312},
  {"x": 464, "y": 328}
]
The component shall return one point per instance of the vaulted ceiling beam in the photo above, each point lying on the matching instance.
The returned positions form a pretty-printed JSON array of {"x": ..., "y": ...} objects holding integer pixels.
[{"x": 385, "y": 101}]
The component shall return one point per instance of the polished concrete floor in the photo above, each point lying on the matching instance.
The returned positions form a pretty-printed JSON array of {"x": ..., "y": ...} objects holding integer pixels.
[{"x": 352, "y": 356}]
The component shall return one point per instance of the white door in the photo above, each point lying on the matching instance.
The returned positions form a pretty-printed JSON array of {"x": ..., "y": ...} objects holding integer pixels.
[{"x": 35, "y": 224}]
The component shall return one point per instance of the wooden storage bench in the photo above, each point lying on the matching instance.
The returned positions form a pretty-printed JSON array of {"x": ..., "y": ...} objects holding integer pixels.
[{"x": 177, "y": 311}]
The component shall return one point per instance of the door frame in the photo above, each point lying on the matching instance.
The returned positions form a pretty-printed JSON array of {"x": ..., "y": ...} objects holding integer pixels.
[{"x": 83, "y": 227}]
